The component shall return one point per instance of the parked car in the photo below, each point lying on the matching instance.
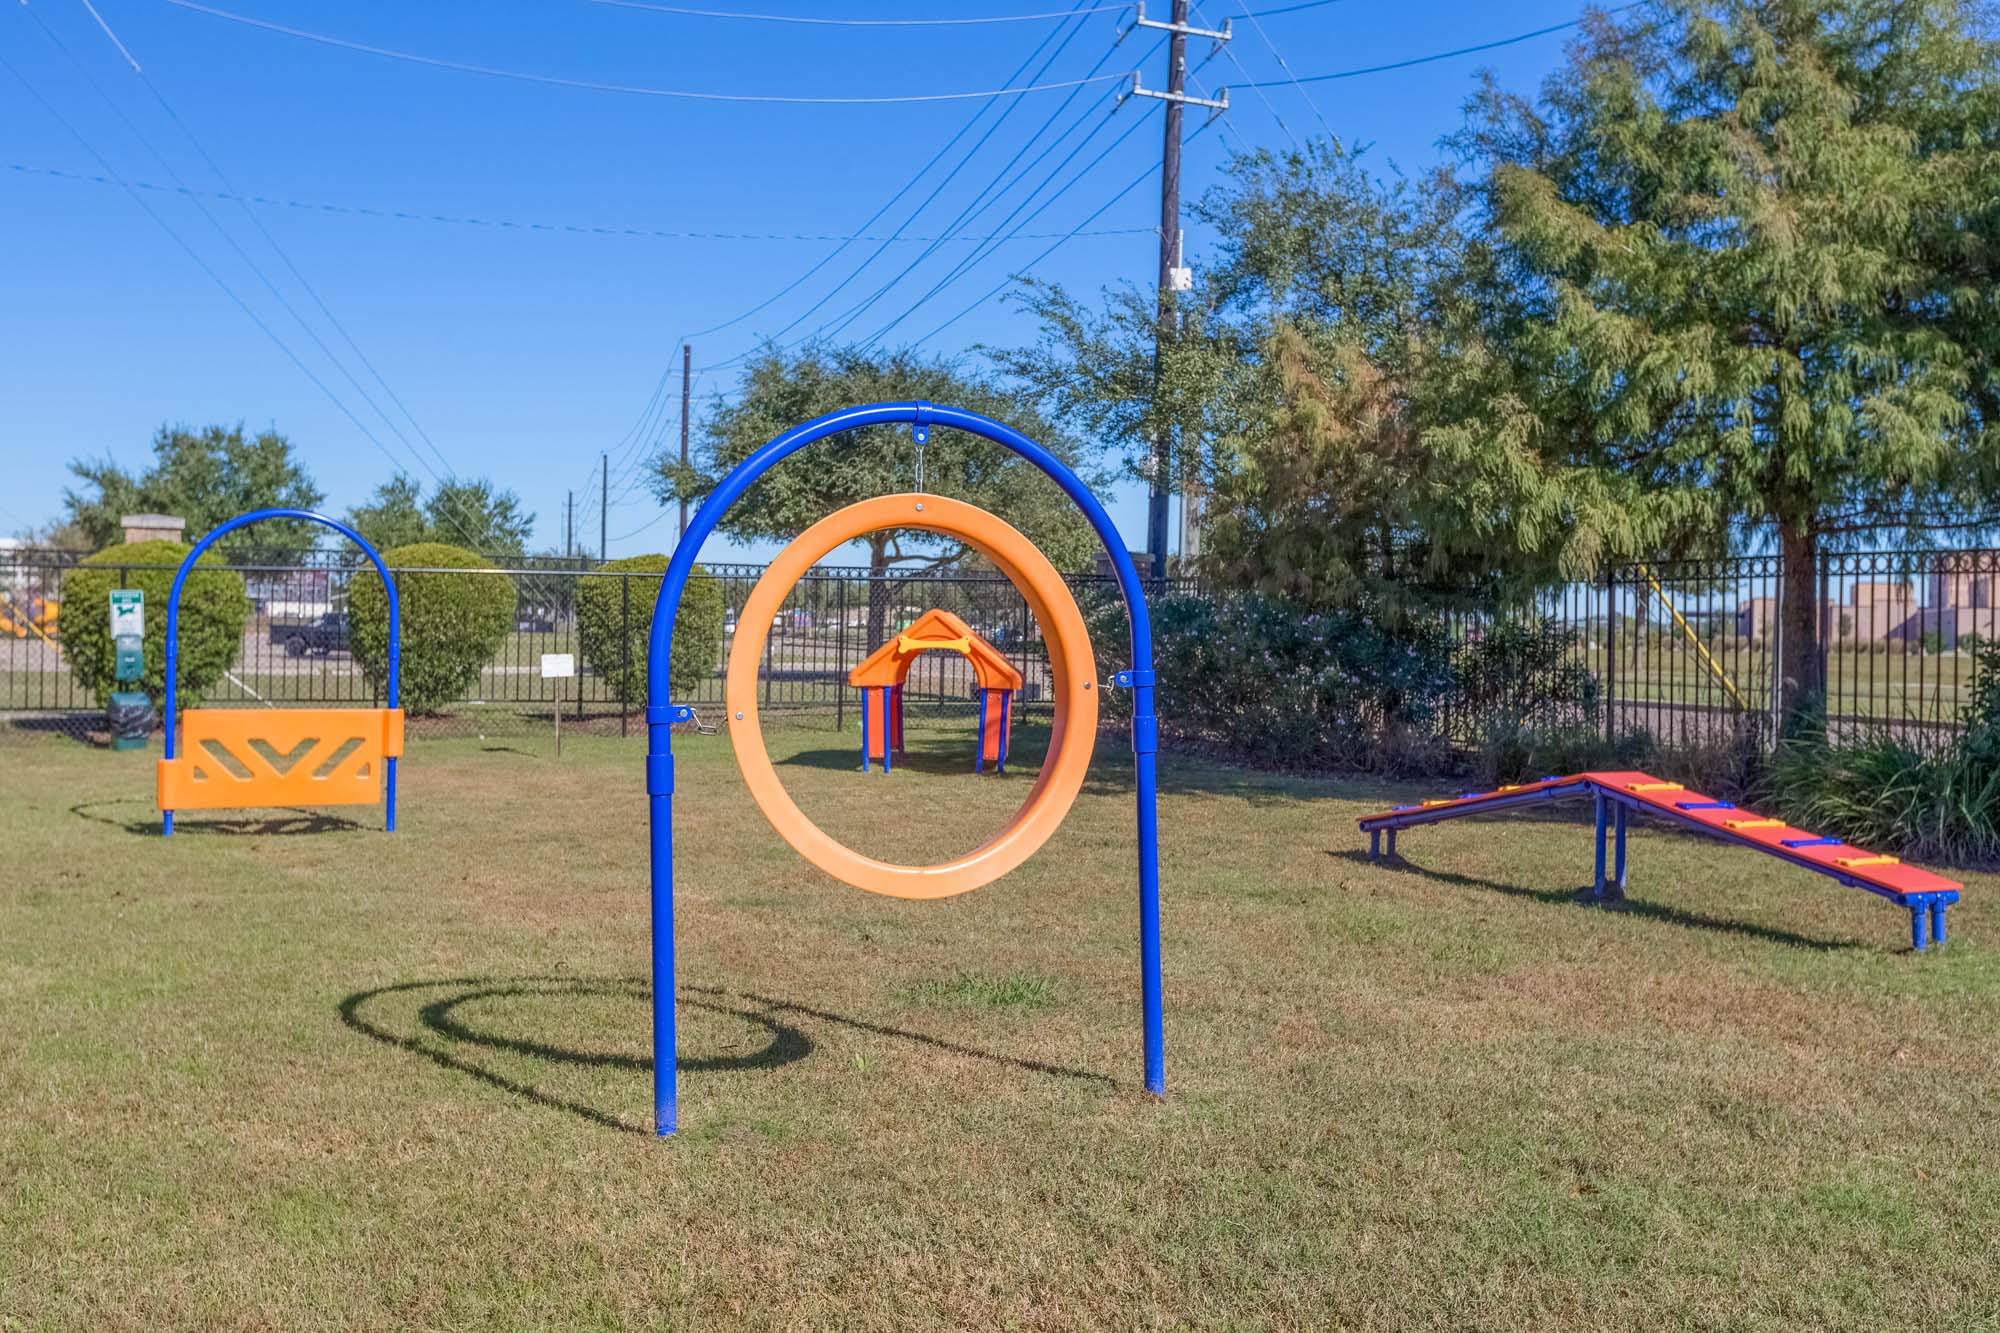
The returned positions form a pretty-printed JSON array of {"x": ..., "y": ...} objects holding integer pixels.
[{"x": 322, "y": 634}]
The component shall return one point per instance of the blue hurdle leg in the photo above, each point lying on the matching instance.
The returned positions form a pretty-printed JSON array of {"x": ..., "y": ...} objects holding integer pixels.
[
  {"x": 1920, "y": 918},
  {"x": 1392, "y": 841},
  {"x": 1937, "y": 922},
  {"x": 1618, "y": 870},
  {"x": 1603, "y": 825},
  {"x": 1374, "y": 843}
]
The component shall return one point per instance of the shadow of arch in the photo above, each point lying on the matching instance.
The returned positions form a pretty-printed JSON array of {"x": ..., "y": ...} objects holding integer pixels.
[
  {"x": 787, "y": 1044},
  {"x": 280, "y": 823}
]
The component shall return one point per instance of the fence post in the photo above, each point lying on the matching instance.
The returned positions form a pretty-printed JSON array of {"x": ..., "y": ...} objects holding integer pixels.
[
  {"x": 1610, "y": 656},
  {"x": 624, "y": 654},
  {"x": 839, "y": 662}
]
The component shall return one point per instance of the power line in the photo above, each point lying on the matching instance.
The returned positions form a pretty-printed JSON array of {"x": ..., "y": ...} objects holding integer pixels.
[
  {"x": 1517, "y": 38},
  {"x": 1229, "y": 50},
  {"x": 205, "y": 267},
  {"x": 980, "y": 202},
  {"x": 629, "y": 89},
  {"x": 637, "y": 459},
  {"x": 936, "y": 190},
  {"x": 244, "y": 256},
  {"x": 501, "y": 224},
  {"x": 1101, "y": 209},
  {"x": 966, "y": 265},
  {"x": 1283, "y": 64},
  {"x": 857, "y": 23}
]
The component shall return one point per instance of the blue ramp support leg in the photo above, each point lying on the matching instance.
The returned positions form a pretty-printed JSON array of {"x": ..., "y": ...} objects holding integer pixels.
[
  {"x": 1920, "y": 920},
  {"x": 1618, "y": 869},
  {"x": 1937, "y": 920},
  {"x": 1603, "y": 815}
]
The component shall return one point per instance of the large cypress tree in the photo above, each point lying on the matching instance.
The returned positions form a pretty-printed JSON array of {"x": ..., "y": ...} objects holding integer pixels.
[{"x": 1745, "y": 262}]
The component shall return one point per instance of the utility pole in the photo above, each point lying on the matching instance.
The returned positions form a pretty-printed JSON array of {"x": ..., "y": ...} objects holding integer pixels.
[
  {"x": 687, "y": 367},
  {"x": 569, "y": 525},
  {"x": 1173, "y": 276},
  {"x": 603, "y": 507}
]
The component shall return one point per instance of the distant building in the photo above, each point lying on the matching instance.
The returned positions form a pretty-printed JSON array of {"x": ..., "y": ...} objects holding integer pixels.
[{"x": 1962, "y": 600}]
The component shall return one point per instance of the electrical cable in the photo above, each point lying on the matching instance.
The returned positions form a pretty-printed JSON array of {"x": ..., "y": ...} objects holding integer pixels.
[
  {"x": 1438, "y": 55},
  {"x": 855, "y": 23},
  {"x": 504, "y": 224},
  {"x": 965, "y": 265},
  {"x": 207, "y": 269},
  {"x": 628, "y": 89},
  {"x": 1101, "y": 209},
  {"x": 244, "y": 256}
]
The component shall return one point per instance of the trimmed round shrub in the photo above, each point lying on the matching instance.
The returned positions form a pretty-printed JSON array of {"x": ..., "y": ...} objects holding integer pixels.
[
  {"x": 214, "y": 609},
  {"x": 453, "y": 623},
  {"x": 614, "y": 643}
]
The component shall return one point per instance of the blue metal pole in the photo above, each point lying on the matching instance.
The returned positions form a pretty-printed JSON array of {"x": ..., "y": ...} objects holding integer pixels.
[
  {"x": 174, "y": 629},
  {"x": 660, "y": 807},
  {"x": 1937, "y": 921},
  {"x": 1374, "y": 843},
  {"x": 864, "y": 730},
  {"x": 1919, "y": 927},
  {"x": 1006, "y": 727}
]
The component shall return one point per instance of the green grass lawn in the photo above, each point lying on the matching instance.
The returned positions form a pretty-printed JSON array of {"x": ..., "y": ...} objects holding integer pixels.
[{"x": 302, "y": 1074}]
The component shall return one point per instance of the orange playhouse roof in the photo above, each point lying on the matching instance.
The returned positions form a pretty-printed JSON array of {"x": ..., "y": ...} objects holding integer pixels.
[{"x": 935, "y": 630}]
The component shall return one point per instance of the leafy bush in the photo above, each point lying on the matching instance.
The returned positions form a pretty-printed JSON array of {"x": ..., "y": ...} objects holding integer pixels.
[
  {"x": 614, "y": 643},
  {"x": 1262, "y": 677},
  {"x": 1885, "y": 794},
  {"x": 453, "y": 623},
  {"x": 214, "y": 609},
  {"x": 1525, "y": 676}
]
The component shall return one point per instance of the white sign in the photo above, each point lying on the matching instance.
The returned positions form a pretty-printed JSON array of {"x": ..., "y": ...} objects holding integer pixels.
[
  {"x": 558, "y": 664},
  {"x": 128, "y": 613}
]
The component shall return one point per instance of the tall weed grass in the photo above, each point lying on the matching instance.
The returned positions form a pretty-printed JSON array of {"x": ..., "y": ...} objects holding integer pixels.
[{"x": 1883, "y": 793}]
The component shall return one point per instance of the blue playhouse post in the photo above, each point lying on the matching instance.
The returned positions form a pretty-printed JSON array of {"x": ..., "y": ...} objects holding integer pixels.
[{"x": 662, "y": 713}]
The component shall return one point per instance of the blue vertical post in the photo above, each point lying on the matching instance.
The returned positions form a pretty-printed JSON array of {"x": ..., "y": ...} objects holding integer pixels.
[
  {"x": 1920, "y": 917},
  {"x": 1618, "y": 867},
  {"x": 659, "y": 732},
  {"x": 173, "y": 650},
  {"x": 1937, "y": 920},
  {"x": 1374, "y": 843},
  {"x": 1006, "y": 727},
  {"x": 864, "y": 730},
  {"x": 979, "y": 750},
  {"x": 1392, "y": 840},
  {"x": 1603, "y": 819}
]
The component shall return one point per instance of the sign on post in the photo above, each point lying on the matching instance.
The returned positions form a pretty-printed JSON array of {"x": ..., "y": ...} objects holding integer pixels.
[
  {"x": 558, "y": 667},
  {"x": 128, "y": 632}
]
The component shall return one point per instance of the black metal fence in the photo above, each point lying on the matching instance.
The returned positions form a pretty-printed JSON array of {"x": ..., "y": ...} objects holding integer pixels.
[{"x": 1684, "y": 654}]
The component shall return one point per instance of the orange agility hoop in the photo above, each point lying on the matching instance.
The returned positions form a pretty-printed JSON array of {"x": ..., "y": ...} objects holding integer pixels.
[{"x": 1071, "y": 664}]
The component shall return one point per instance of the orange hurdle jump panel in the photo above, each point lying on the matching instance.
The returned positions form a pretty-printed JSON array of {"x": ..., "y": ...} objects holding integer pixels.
[{"x": 241, "y": 758}]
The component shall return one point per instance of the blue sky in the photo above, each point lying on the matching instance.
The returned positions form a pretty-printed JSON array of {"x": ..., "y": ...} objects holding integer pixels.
[{"x": 523, "y": 351}]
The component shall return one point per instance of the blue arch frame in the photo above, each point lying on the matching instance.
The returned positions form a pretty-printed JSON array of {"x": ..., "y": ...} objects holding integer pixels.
[
  {"x": 174, "y": 632},
  {"x": 661, "y": 713}
]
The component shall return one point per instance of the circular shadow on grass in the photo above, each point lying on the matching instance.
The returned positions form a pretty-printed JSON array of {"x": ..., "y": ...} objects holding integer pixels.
[{"x": 440, "y": 1017}]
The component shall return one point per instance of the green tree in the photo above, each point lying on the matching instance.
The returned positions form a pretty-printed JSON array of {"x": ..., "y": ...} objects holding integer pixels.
[
  {"x": 1744, "y": 273},
  {"x": 780, "y": 390},
  {"x": 454, "y": 618},
  {"x": 614, "y": 624},
  {"x": 207, "y": 478},
  {"x": 471, "y": 513}
]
